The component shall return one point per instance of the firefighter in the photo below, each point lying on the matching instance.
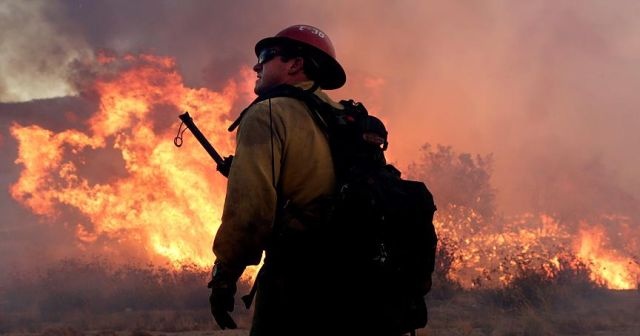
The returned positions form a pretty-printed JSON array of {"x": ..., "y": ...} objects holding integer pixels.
[{"x": 282, "y": 164}]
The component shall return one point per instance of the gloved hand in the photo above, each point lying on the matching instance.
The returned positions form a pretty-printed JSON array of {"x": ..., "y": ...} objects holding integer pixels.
[
  {"x": 222, "y": 302},
  {"x": 223, "y": 289}
]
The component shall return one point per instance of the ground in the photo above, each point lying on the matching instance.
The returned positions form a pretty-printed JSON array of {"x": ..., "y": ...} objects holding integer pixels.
[{"x": 452, "y": 313}]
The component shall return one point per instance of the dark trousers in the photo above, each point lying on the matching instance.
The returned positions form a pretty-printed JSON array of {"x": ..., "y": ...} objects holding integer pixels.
[{"x": 301, "y": 299}]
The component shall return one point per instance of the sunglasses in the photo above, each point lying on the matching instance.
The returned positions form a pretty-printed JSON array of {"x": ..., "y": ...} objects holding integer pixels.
[{"x": 268, "y": 54}]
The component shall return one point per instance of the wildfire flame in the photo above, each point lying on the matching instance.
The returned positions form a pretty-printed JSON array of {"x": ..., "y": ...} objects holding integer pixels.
[
  {"x": 168, "y": 202},
  {"x": 608, "y": 266},
  {"x": 494, "y": 253}
]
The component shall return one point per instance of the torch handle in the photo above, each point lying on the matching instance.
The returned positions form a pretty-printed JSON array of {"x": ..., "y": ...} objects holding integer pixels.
[{"x": 188, "y": 121}]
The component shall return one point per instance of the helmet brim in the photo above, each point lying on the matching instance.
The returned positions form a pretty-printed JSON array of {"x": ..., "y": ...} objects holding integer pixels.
[{"x": 331, "y": 72}]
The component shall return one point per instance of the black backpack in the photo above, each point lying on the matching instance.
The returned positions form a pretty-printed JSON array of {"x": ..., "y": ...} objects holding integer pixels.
[{"x": 379, "y": 225}]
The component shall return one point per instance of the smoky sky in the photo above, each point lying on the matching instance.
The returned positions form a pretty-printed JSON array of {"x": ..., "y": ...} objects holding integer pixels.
[{"x": 547, "y": 87}]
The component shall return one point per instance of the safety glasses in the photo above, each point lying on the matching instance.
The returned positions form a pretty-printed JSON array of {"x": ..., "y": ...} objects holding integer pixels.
[{"x": 268, "y": 54}]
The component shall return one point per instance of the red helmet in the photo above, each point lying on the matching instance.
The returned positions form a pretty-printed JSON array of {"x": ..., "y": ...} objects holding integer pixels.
[{"x": 332, "y": 75}]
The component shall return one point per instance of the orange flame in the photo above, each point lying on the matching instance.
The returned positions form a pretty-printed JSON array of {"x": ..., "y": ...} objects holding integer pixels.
[
  {"x": 169, "y": 200},
  {"x": 493, "y": 253},
  {"x": 608, "y": 266}
]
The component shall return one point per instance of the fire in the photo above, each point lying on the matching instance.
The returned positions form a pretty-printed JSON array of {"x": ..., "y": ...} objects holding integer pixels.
[
  {"x": 607, "y": 265},
  {"x": 492, "y": 254},
  {"x": 169, "y": 201}
]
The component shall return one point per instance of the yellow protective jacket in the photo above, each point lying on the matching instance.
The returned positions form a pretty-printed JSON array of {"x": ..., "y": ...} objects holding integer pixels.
[{"x": 281, "y": 155}]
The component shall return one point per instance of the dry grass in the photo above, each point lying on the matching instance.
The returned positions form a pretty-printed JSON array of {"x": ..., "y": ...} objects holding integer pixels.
[
  {"x": 95, "y": 298},
  {"x": 466, "y": 314},
  {"x": 536, "y": 306}
]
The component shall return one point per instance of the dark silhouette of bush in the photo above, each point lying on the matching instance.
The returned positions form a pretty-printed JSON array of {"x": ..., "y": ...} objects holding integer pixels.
[
  {"x": 443, "y": 286},
  {"x": 456, "y": 179},
  {"x": 546, "y": 286}
]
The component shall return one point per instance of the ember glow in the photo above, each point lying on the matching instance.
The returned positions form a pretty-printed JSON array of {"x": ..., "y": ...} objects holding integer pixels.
[{"x": 168, "y": 201}]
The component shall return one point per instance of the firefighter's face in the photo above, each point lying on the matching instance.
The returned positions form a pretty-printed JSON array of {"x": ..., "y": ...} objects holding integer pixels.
[{"x": 272, "y": 70}]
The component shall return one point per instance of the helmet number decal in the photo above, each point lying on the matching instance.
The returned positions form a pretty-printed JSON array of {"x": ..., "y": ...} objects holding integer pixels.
[{"x": 313, "y": 30}]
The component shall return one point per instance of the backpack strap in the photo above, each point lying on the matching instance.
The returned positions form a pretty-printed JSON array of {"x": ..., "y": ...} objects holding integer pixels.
[{"x": 284, "y": 90}]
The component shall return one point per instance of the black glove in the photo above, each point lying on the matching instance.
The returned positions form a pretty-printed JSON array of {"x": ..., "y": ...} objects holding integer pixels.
[
  {"x": 223, "y": 289},
  {"x": 222, "y": 302}
]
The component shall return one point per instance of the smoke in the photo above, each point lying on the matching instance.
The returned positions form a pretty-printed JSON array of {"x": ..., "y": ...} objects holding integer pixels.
[
  {"x": 547, "y": 88},
  {"x": 37, "y": 45}
]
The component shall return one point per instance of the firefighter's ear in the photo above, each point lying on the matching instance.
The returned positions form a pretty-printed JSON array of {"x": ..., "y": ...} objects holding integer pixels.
[{"x": 296, "y": 66}]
